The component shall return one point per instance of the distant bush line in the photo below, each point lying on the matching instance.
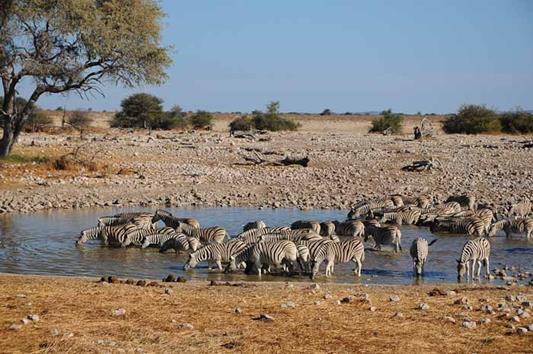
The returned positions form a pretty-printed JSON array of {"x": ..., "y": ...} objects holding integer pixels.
[
  {"x": 477, "y": 119},
  {"x": 268, "y": 120}
]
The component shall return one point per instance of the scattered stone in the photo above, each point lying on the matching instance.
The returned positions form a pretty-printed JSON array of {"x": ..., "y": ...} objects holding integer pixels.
[
  {"x": 25, "y": 321},
  {"x": 170, "y": 278},
  {"x": 34, "y": 318},
  {"x": 181, "y": 280},
  {"x": 451, "y": 293},
  {"x": 394, "y": 298},
  {"x": 264, "y": 317},
  {"x": 515, "y": 319},
  {"x": 484, "y": 321},
  {"x": 15, "y": 327},
  {"x": 423, "y": 306},
  {"x": 347, "y": 300},
  {"x": 530, "y": 327},
  {"x": 288, "y": 305},
  {"x": 327, "y": 296},
  {"x": 168, "y": 291},
  {"x": 467, "y": 307},
  {"x": 141, "y": 283},
  {"x": 521, "y": 330},
  {"x": 398, "y": 314},
  {"x": 186, "y": 326},
  {"x": 118, "y": 312},
  {"x": 365, "y": 298},
  {"x": 113, "y": 280},
  {"x": 449, "y": 319},
  {"x": 153, "y": 283},
  {"x": 469, "y": 324},
  {"x": 510, "y": 298},
  {"x": 527, "y": 304},
  {"x": 130, "y": 281},
  {"x": 238, "y": 310},
  {"x": 521, "y": 298},
  {"x": 510, "y": 331},
  {"x": 104, "y": 283},
  {"x": 54, "y": 332},
  {"x": 373, "y": 308},
  {"x": 318, "y": 303},
  {"x": 231, "y": 345},
  {"x": 461, "y": 301},
  {"x": 314, "y": 286},
  {"x": 487, "y": 309},
  {"x": 437, "y": 292}
]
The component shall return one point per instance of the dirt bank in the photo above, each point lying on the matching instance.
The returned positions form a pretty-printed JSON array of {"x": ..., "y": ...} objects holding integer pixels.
[
  {"x": 209, "y": 168},
  {"x": 83, "y": 315}
]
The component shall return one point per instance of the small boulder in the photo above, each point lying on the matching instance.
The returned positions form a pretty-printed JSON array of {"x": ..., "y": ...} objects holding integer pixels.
[
  {"x": 15, "y": 327},
  {"x": 461, "y": 301},
  {"x": 170, "y": 278},
  {"x": 373, "y": 308},
  {"x": 398, "y": 315},
  {"x": 118, "y": 312},
  {"x": 469, "y": 324},
  {"x": 347, "y": 300},
  {"x": 521, "y": 330},
  {"x": 141, "y": 283},
  {"x": 487, "y": 309},
  {"x": 288, "y": 305},
  {"x": 34, "y": 318},
  {"x": 113, "y": 280},
  {"x": 168, "y": 291},
  {"x": 238, "y": 310},
  {"x": 130, "y": 281},
  {"x": 186, "y": 326},
  {"x": 394, "y": 298},
  {"x": 264, "y": 317},
  {"x": 423, "y": 306}
]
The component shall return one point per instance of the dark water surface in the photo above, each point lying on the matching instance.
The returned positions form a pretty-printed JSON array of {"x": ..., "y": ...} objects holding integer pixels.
[{"x": 44, "y": 243}]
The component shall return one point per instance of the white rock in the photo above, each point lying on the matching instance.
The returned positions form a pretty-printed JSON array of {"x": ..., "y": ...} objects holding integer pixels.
[
  {"x": 423, "y": 306},
  {"x": 469, "y": 324},
  {"x": 394, "y": 298},
  {"x": 34, "y": 318},
  {"x": 118, "y": 312},
  {"x": 449, "y": 319},
  {"x": 186, "y": 326}
]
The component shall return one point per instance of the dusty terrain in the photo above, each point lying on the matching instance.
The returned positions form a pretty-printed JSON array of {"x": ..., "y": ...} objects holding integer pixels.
[
  {"x": 207, "y": 168},
  {"x": 199, "y": 317}
]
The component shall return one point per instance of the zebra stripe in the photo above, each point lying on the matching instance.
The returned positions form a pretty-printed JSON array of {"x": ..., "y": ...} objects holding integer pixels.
[
  {"x": 340, "y": 252},
  {"x": 510, "y": 226},
  {"x": 521, "y": 209},
  {"x": 352, "y": 228},
  {"x": 385, "y": 235},
  {"x": 466, "y": 201},
  {"x": 160, "y": 237},
  {"x": 258, "y": 224},
  {"x": 253, "y": 235},
  {"x": 472, "y": 226},
  {"x": 267, "y": 254},
  {"x": 327, "y": 228},
  {"x": 365, "y": 207},
  {"x": 215, "y": 234},
  {"x": 474, "y": 252},
  {"x": 406, "y": 217},
  {"x": 306, "y": 224},
  {"x": 419, "y": 252},
  {"x": 215, "y": 252},
  {"x": 170, "y": 220}
]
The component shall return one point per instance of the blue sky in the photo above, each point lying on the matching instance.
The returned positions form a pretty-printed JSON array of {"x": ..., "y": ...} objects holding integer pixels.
[{"x": 428, "y": 56}]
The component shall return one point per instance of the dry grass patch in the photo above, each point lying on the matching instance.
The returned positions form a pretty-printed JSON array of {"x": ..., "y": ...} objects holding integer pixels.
[{"x": 76, "y": 316}]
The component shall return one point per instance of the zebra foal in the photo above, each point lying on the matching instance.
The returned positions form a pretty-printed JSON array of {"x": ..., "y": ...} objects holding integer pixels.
[{"x": 476, "y": 251}]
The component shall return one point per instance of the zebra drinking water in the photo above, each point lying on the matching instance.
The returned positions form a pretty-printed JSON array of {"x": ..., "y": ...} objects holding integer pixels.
[
  {"x": 474, "y": 252},
  {"x": 216, "y": 253},
  {"x": 385, "y": 235},
  {"x": 510, "y": 226},
  {"x": 419, "y": 252}
]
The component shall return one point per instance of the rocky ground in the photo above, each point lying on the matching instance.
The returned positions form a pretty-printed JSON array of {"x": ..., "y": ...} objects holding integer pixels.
[
  {"x": 60, "y": 315},
  {"x": 209, "y": 169}
]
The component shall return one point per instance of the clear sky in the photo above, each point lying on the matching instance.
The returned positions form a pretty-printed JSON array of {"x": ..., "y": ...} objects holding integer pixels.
[{"x": 425, "y": 55}]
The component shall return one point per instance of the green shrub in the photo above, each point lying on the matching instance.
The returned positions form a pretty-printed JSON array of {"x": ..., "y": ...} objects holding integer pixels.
[
  {"x": 517, "y": 122},
  {"x": 472, "y": 119},
  {"x": 140, "y": 110},
  {"x": 271, "y": 119},
  {"x": 326, "y": 112},
  {"x": 201, "y": 120},
  {"x": 37, "y": 121},
  {"x": 241, "y": 124},
  {"x": 388, "y": 120}
]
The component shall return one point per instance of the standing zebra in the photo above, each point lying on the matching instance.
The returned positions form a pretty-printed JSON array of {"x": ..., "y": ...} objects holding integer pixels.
[
  {"x": 267, "y": 254},
  {"x": 115, "y": 236},
  {"x": 466, "y": 201},
  {"x": 170, "y": 220},
  {"x": 474, "y": 252},
  {"x": 143, "y": 220},
  {"x": 521, "y": 209},
  {"x": 252, "y": 235},
  {"x": 385, "y": 235},
  {"x": 215, "y": 252},
  {"x": 163, "y": 235},
  {"x": 327, "y": 228},
  {"x": 511, "y": 226},
  {"x": 419, "y": 252},
  {"x": 304, "y": 257},
  {"x": 258, "y": 224},
  {"x": 472, "y": 226},
  {"x": 340, "y": 252},
  {"x": 352, "y": 228}
]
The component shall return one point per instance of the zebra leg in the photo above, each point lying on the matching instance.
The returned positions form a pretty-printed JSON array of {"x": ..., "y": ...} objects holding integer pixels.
[
  {"x": 487, "y": 272},
  {"x": 219, "y": 264}
]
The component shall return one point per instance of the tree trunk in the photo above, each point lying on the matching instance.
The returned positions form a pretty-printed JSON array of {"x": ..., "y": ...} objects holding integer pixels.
[{"x": 8, "y": 139}]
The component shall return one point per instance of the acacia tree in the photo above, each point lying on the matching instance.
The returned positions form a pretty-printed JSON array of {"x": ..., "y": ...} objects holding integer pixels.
[{"x": 59, "y": 46}]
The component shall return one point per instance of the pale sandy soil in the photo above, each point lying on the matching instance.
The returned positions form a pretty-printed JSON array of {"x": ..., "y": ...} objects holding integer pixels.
[
  {"x": 76, "y": 315},
  {"x": 208, "y": 168}
]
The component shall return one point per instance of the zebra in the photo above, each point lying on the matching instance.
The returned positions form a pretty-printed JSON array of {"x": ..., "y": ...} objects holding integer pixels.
[
  {"x": 352, "y": 228},
  {"x": 215, "y": 234},
  {"x": 474, "y": 251},
  {"x": 169, "y": 220},
  {"x": 340, "y": 252},
  {"x": 304, "y": 257},
  {"x": 327, "y": 228},
  {"x": 364, "y": 207},
  {"x": 275, "y": 253},
  {"x": 162, "y": 236},
  {"x": 303, "y": 224},
  {"x": 510, "y": 226},
  {"x": 521, "y": 209},
  {"x": 258, "y": 224},
  {"x": 472, "y": 226},
  {"x": 419, "y": 253},
  {"x": 215, "y": 252},
  {"x": 487, "y": 216},
  {"x": 397, "y": 200},
  {"x": 255, "y": 233},
  {"x": 115, "y": 236},
  {"x": 385, "y": 235},
  {"x": 406, "y": 217},
  {"x": 466, "y": 201},
  {"x": 140, "y": 219},
  {"x": 180, "y": 242},
  {"x": 447, "y": 209}
]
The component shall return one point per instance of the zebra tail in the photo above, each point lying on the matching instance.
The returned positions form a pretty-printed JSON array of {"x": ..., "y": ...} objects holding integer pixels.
[{"x": 432, "y": 242}]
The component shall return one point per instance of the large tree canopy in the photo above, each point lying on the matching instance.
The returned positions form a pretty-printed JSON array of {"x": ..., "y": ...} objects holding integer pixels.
[{"x": 58, "y": 46}]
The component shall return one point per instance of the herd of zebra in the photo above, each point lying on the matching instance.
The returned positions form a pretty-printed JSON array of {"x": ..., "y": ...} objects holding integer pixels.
[{"x": 308, "y": 244}]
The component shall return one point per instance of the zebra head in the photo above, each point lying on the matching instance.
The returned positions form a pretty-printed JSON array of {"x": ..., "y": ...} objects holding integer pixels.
[
  {"x": 191, "y": 262},
  {"x": 159, "y": 214},
  {"x": 88, "y": 234},
  {"x": 232, "y": 266},
  {"x": 461, "y": 269}
]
